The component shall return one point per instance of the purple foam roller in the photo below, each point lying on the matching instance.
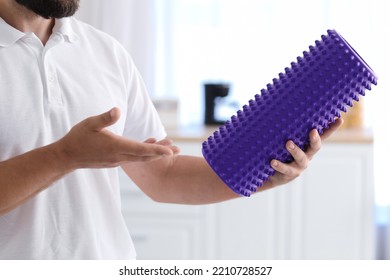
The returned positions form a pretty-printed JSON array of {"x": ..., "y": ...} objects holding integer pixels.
[{"x": 310, "y": 94}]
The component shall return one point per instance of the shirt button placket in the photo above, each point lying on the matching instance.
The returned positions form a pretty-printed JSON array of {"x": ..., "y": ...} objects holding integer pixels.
[{"x": 53, "y": 91}]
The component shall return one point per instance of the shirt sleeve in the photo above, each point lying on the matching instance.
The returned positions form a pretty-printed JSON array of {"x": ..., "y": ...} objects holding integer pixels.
[{"x": 142, "y": 120}]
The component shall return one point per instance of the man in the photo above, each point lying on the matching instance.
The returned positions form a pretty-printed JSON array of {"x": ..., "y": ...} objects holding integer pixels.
[{"x": 72, "y": 105}]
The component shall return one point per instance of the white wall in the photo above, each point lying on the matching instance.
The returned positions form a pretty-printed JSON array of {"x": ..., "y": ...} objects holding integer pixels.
[{"x": 131, "y": 22}]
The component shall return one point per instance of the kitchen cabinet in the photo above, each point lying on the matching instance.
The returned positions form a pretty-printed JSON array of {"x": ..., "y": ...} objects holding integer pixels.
[{"x": 327, "y": 213}]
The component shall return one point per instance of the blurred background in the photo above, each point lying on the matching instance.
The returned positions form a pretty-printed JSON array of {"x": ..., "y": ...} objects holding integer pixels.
[{"x": 181, "y": 45}]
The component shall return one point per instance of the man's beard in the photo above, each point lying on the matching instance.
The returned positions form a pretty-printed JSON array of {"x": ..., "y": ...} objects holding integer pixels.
[{"x": 51, "y": 8}]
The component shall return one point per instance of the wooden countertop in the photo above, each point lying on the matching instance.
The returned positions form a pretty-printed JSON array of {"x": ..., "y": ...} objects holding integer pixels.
[{"x": 201, "y": 132}]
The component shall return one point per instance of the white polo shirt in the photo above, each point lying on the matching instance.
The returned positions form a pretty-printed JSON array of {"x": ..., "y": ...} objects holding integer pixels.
[{"x": 44, "y": 91}]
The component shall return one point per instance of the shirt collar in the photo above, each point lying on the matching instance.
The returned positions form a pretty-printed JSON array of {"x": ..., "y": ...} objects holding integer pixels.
[
  {"x": 10, "y": 35},
  {"x": 63, "y": 26}
]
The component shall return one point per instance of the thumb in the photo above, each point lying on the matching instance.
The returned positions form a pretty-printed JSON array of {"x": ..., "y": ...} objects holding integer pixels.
[{"x": 103, "y": 120}]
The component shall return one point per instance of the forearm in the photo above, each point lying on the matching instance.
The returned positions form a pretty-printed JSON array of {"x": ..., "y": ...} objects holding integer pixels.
[
  {"x": 180, "y": 179},
  {"x": 26, "y": 175},
  {"x": 190, "y": 180}
]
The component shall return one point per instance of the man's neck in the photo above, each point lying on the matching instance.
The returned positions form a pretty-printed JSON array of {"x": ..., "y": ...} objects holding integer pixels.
[{"x": 25, "y": 20}]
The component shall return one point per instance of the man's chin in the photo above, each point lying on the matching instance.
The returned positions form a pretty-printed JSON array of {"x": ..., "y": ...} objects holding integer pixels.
[{"x": 51, "y": 8}]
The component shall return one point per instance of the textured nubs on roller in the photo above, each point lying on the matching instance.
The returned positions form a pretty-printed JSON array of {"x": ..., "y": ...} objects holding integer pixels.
[{"x": 311, "y": 93}]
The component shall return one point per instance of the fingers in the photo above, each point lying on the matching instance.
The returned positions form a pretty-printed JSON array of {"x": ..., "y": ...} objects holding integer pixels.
[
  {"x": 169, "y": 143},
  {"x": 299, "y": 156},
  {"x": 294, "y": 169},
  {"x": 134, "y": 158},
  {"x": 332, "y": 128},
  {"x": 316, "y": 139},
  {"x": 289, "y": 171},
  {"x": 283, "y": 168},
  {"x": 315, "y": 144},
  {"x": 134, "y": 148},
  {"x": 165, "y": 142},
  {"x": 150, "y": 140},
  {"x": 149, "y": 148},
  {"x": 101, "y": 121}
]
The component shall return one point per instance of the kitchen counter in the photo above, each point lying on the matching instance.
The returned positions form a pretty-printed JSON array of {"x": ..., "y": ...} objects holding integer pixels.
[{"x": 201, "y": 132}]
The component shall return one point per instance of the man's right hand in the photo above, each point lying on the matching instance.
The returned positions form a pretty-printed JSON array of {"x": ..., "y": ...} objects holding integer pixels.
[{"x": 90, "y": 145}]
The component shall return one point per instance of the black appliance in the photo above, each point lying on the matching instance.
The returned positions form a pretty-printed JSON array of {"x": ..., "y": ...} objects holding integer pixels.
[{"x": 213, "y": 94}]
